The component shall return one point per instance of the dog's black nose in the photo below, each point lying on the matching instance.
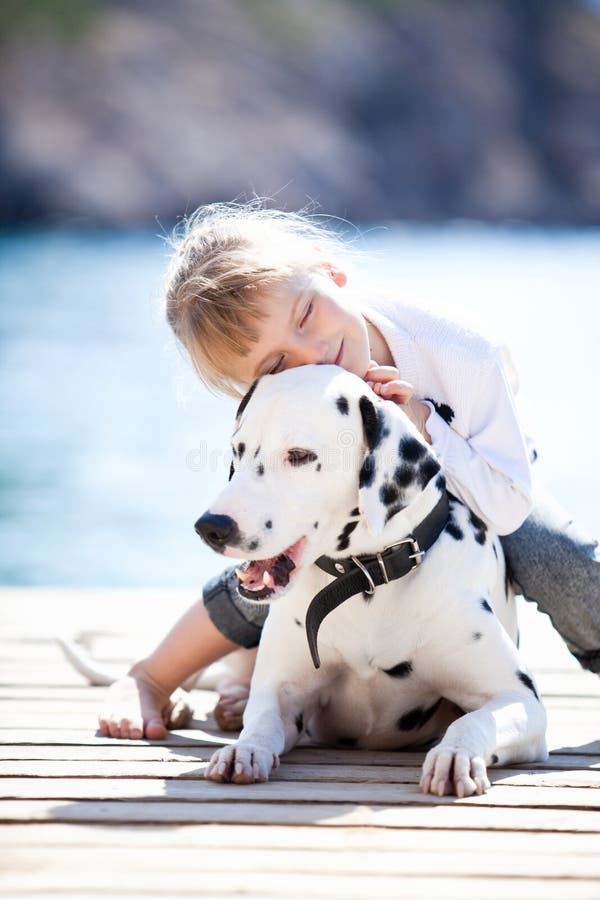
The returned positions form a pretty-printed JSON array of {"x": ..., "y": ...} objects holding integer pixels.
[{"x": 217, "y": 531}]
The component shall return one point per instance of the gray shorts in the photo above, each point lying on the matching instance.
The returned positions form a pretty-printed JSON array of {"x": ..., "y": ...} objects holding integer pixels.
[{"x": 552, "y": 563}]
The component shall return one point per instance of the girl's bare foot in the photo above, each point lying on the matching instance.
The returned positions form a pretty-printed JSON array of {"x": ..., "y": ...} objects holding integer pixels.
[
  {"x": 229, "y": 711},
  {"x": 136, "y": 707}
]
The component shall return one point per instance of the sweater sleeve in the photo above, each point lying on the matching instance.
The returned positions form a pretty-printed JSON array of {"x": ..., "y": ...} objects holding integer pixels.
[{"x": 489, "y": 470}]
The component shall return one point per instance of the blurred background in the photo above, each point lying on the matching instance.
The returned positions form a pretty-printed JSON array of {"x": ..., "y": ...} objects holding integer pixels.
[{"x": 462, "y": 138}]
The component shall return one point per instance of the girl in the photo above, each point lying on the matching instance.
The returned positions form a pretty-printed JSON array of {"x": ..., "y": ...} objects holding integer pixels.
[{"x": 251, "y": 291}]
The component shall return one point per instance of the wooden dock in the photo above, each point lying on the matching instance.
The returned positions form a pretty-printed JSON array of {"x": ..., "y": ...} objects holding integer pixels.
[{"x": 83, "y": 815}]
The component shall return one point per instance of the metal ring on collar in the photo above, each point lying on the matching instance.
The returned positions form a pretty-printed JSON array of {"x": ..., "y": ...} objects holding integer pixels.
[{"x": 366, "y": 574}]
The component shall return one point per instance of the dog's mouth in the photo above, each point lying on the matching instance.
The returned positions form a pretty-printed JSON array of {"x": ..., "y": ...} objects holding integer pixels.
[{"x": 261, "y": 579}]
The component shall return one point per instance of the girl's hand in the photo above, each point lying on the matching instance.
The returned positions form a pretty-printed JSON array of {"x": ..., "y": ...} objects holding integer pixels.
[{"x": 385, "y": 381}]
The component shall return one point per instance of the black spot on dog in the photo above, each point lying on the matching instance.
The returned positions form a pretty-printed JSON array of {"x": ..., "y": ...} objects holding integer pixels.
[
  {"x": 479, "y": 527},
  {"x": 268, "y": 524},
  {"x": 388, "y": 493},
  {"x": 404, "y": 475},
  {"x": 299, "y": 722},
  {"x": 342, "y": 405},
  {"x": 525, "y": 679},
  {"x": 253, "y": 545},
  {"x": 440, "y": 483},
  {"x": 367, "y": 472},
  {"x": 347, "y": 742},
  {"x": 494, "y": 759},
  {"x": 392, "y": 511},
  {"x": 241, "y": 447},
  {"x": 429, "y": 713},
  {"x": 453, "y": 530},
  {"x": 355, "y": 511},
  {"x": 443, "y": 410},
  {"x": 260, "y": 469},
  {"x": 533, "y": 455},
  {"x": 411, "y": 449},
  {"x": 372, "y": 419},
  {"x": 477, "y": 635},
  {"x": 429, "y": 468},
  {"x": 495, "y": 549},
  {"x": 485, "y": 605},
  {"x": 402, "y": 670},
  {"x": 411, "y": 719},
  {"x": 246, "y": 399},
  {"x": 316, "y": 525},
  {"x": 257, "y": 451},
  {"x": 298, "y": 623},
  {"x": 318, "y": 467},
  {"x": 417, "y": 717},
  {"x": 343, "y": 538},
  {"x": 231, "y": 471}
]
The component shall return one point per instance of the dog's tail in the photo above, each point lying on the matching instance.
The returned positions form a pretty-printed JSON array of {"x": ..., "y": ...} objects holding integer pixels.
[{"x": 83, "y": 663}]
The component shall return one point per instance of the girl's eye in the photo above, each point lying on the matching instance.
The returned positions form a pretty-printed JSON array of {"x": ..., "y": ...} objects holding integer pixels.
[
  {"x": 298, "y": 456},
  {"x": 307, "y": 313}
]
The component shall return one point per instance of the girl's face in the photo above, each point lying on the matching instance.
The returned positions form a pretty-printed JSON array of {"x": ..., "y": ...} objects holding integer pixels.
[{"x": 307, "y": 320}]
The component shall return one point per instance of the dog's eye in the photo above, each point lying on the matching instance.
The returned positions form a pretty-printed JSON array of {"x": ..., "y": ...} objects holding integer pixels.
[{"x": 299, "y": 457}]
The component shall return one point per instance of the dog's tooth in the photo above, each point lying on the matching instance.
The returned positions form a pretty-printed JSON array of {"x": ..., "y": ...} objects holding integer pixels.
[
  {"x": 268, "y": 579},
  {"x": 240, "y": 573}
]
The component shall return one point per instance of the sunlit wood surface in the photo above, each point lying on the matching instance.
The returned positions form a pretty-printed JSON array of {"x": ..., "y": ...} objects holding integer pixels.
[{"x": 82, "y": 815}]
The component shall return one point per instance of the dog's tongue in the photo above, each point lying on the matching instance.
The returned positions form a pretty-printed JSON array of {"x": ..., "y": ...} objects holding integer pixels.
[{"x": 268, "y": 574}]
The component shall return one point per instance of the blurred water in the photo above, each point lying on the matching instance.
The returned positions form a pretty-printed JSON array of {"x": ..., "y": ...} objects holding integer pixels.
[{"x": 110, "y": 450}]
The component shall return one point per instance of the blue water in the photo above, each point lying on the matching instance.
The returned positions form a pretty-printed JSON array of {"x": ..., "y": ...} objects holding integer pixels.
[{"x": 110, "y": 450}]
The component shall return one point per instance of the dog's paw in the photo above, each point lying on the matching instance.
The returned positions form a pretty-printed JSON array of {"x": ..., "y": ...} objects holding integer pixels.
[
  {"x": 453, "y": 770},
  {"x": 241, "y": 764},
  {"x": 178, "y": 712},
  {"x": 229, "y": 711}
]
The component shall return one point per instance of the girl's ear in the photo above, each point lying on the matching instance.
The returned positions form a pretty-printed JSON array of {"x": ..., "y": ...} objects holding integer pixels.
[{"x": 338, "y": 275}]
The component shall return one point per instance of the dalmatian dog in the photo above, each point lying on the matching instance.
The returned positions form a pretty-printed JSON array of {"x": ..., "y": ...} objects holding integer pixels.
[{"x": 326, "y": 476}]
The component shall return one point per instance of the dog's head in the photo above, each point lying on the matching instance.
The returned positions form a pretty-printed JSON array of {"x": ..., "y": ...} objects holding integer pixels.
[{"x": 316, "y": 456}]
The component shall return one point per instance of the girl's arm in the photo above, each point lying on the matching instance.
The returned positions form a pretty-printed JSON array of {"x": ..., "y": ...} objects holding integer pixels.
[{"x": 489, "y": 470}]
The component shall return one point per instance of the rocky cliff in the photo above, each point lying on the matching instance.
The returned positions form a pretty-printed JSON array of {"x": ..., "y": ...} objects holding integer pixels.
[{"x": 422, "y": 110}]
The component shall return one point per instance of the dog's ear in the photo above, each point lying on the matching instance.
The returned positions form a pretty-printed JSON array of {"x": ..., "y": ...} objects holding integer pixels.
[{"x": 397, "y": 463}]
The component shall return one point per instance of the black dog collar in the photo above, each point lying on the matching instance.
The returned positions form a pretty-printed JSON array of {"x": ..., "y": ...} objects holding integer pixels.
[{"x": 365, "y": 573}]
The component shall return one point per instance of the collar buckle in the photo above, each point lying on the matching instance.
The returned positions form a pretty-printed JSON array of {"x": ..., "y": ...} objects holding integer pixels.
[{"x": 416, "y": 555}]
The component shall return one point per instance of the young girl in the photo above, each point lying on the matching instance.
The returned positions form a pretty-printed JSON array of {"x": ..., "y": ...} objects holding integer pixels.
[{"x": 251, "y": 291}]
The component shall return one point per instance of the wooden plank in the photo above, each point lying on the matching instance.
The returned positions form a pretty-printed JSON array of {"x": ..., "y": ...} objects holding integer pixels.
[
  {"x": 198, "y": 737},
  {"x": 35, "y": 864},
  {"x": 433, "y": 815},
  {"x": 201, "y": 791},
  {"x": 308, "y": 837},
  {"x": 260, "y": 885},
  {"x": 365, "y": 774},
  {"x": 314, "y": 756}
]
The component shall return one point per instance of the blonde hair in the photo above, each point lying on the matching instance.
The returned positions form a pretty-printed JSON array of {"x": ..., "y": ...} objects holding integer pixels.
[{"x": 225, "y": 254}]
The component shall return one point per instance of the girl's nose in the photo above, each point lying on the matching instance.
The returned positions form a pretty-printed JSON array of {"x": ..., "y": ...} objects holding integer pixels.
[{"x": 309, "y": 351}]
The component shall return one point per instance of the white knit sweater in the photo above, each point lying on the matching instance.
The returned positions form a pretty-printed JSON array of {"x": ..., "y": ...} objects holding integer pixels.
[{"x": 469, "y": 384}]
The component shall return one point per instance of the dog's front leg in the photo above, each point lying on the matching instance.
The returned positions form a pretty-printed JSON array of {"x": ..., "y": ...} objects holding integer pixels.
[
  {"x": 491, "y": 734},
  {"x": 283, "y": 680},
  {"x": 267, "y": 733},
  {"x": 478, "y": 667}
]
